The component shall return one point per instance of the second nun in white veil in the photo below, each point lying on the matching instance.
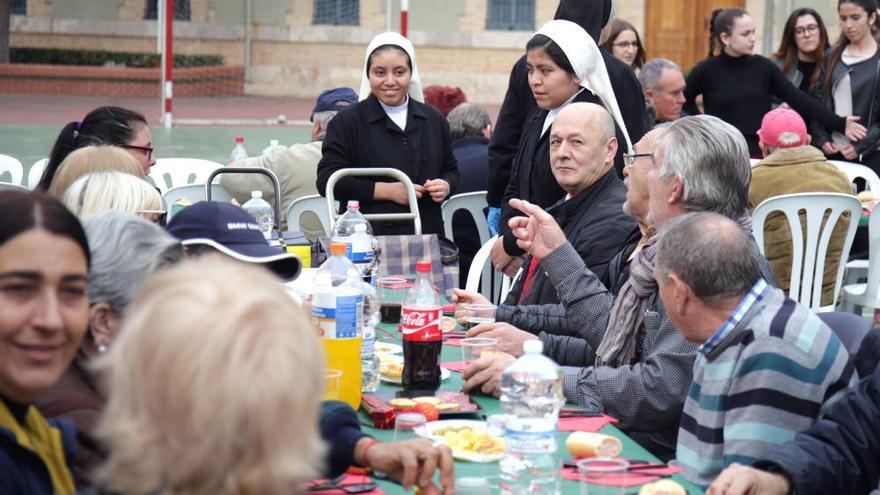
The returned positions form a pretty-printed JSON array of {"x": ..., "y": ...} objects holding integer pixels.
[{"x": 391, "y": 127}]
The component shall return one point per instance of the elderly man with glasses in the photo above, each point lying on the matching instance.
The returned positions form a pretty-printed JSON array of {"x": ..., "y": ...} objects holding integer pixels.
[{"x": 623, "y": 356}]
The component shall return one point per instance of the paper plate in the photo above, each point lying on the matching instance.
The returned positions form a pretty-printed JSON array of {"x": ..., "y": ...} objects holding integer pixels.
[
  {"x": 463, "y": 455},
  {"x": 388, "y": 348},
  {"x": 444, "y": 374}
]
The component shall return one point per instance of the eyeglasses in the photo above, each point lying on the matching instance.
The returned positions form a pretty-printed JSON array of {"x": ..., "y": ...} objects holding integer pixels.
[
  {"x": 147, "y": 150},
  {"x": 155, "y": 216},
  {"x": 630, "y": 159},
  {"x": 623, "y": 45},
  {"x": 804, "y": 31}
]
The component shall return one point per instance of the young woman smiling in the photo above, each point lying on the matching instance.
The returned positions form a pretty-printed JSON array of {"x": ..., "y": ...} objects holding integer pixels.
[
  {"x": 738, "y": 86},
  {"x": 849, "y": 83},
  {"x": 391, "y": 127},
  {"x": 624, "y": 43},
  {"x": 44, "y": 312}
]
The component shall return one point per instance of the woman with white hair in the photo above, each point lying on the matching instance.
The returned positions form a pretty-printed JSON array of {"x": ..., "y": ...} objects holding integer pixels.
[
  {"x": 113, "y": 190},
  {"x": 125, "y": 250},
  {"x": 391, "y": 127}
]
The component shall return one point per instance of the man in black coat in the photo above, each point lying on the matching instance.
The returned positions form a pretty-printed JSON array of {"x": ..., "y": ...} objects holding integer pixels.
[{"x": 592, "y": 15}]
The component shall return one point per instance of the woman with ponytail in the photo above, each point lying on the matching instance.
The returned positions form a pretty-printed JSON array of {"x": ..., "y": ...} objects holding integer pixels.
[
  {"x": 114, "y": 126},
  {"x": 738, "y": 86},
  {"x": 848, "y": 84}
]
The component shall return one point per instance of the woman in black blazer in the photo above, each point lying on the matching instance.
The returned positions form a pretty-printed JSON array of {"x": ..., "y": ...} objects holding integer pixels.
[{"x": 391, "y": 127}]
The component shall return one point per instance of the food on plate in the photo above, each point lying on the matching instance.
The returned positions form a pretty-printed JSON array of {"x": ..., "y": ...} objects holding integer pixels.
[
  {"x": 448, "y": 324},
  {"x": 392, "y": 369},
  {"x": 470, "y": 439},
  {"x": 427, "y": 410},
  {"x": 427, "y": 400},
  {"x": 462, "y": 399},
  {"x": 663, "y": 487},
  {"x": 866, "y": 196},
  {"x": 447, "y": 407},
  {"x": 587, "y": 444},
  {"x": 388, "y": 348},
  {"x": 402, "y": 404},
  {"x": 388, "y": 357}
]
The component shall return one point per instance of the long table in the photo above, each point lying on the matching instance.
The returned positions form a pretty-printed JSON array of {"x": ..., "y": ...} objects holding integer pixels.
[{"x": 491, "y": 405}]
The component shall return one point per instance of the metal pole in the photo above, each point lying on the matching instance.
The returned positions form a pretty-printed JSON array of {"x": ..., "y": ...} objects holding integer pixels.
[
  {"x": 404, "y": 14},
  {"x": 248, "y": 21},
  {"x": 160, "y": 27},
  {"x": 168, "y": 66}
]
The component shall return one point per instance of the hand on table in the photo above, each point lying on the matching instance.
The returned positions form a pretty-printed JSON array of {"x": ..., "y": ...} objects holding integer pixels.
[
  {"x": 538, "y": 233},
  {"x": 502, "y": 261},
  {"x": 744, "y": 480},
  {"x": 510, "y": 339},
  {"x": 855, "y": 131},
  {"x": 484, "y": 374},
  {"x": 413, "y": 462},
  {"x": 438, "y": 189},
  {"x": 849, "y": 152}
]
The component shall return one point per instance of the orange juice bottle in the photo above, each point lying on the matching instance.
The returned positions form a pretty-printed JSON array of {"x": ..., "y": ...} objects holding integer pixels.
[{"x": 337, "y": 310}]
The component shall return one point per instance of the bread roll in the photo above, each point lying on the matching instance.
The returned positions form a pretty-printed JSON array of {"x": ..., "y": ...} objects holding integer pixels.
[
  {"x": 402, "y": 404},
  {"x": 663, "y": 487},
  {"x": 586, "y": 444}
]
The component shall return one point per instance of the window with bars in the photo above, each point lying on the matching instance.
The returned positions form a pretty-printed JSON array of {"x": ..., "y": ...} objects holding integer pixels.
[
  {"x": 19, "y": 7},
  {"x": 337, "y": 12},
  {"x": 181, "y": 10},
  {"x": 511, "y": 15}
]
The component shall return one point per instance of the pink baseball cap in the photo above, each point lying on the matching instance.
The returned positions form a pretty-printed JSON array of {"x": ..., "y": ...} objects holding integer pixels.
[{"x": 783, "y": 128}]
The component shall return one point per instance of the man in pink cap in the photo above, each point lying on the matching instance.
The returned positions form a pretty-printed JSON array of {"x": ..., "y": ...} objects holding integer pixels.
[{"x": 791, "y": 165}]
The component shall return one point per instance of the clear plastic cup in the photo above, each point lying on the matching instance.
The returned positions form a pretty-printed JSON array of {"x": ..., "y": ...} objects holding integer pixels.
[
  {"x": 470, "y": 315},
  {"x": 409, "y": 425},
  {"x": 594, "y": 470},
  {"x": 474, "y": 348},
  {"x": 332, "y": 378}
]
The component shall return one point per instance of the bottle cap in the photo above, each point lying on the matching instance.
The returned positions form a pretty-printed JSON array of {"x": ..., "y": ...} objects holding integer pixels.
[
  {"x": 533, "y": 346},
  {"x": 239, "y": 139},
  {"x": 257, "y": 194},
  {"x": 338, "y": 248},
  {"x": 423, "y": 267},
  {"x": 354, "y": 204}
]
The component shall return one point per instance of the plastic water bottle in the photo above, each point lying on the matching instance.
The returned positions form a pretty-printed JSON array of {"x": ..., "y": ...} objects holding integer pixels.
[
  {"x": 531, "y": 396},
  {"x": 238, "y": 152},
  {"x": 262, "y": 213},
  {"x": 369, "y": 360},
  {"x": 355, "y": 231},
  {"x": 273, "y": 143},
  {"x": 337, "y": 310}
]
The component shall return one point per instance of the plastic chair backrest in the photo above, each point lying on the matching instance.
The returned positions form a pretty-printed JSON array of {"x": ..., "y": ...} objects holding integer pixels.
[
  {"x": 313, "y": 203},
  {"x": 809, "y": 251},
  {"x": 193, "y": 193},
  {"x": 472, "y": 202},
  {"x": 483, "y": 278},
  {"x": 176, "y": 172},
  {"x": 385, "y": 217},
  {"x": 855, "y": 171},
  {"x": 754, "y": 161},
  {"x": 8, "y": 186},
  {"x": 873, "y": 283},
  {"x": 13, "y": 166},
  {"x": 36, "y": 173}
]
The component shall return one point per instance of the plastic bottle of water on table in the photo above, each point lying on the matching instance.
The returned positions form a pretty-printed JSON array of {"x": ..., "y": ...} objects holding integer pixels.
[
  {"x": 355, "y": 231},
  {"x": 238, "y": 152},
  {"x": 337, "y": 309},
  {"x": 262, "y": 213},
  {"x": 531, "y": 396},
  {"x": 369, "y": 360}
]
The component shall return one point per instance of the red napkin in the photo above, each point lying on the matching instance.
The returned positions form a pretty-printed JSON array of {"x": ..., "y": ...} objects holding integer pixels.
[
  {"x": 457, "y": 366},
  {"x": 585, "y": 423},
  {"x": 629, "y": 478},
  {"x": 353, "y": 479}
]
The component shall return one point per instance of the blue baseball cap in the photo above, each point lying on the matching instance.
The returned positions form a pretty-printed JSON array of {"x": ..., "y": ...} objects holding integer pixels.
[
  {"x": 335, "y": 100},
  {"x": 234, "y": 232}
]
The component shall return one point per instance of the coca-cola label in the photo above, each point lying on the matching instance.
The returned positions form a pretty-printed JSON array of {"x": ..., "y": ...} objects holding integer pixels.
[{"x": 421, "y": 325}]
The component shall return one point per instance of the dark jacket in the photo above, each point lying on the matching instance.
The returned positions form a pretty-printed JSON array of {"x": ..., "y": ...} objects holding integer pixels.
[
  {"x": 596, "y": 225},
  {"x": 840, "y": 452},
  {"x": 472, "y": 154},
  {"x": 592, "y": 15},
  {"x": 363, "y": 136},
  {"x": 341, "y": 430}
]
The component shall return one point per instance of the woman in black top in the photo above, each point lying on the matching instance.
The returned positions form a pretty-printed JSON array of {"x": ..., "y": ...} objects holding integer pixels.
[
  {"x": 802, "y": 49},
  {"x": 738, "y": 86},
  {"x": 390, "y": 127},
  {"x": 849, "y": 83}
]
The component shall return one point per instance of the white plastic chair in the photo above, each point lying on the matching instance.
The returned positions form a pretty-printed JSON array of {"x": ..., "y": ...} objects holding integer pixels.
[
  {"x": 193, "y": 193},
  {"x": 175, "y": 172},
  {"x": 483, "y": 278},
  {"x": 413, "y": 215},
  {"x": 472, "y": 202},
  {"x": 754, "y": 161},
  {"x": 13, "y": 166},
  {"x": 809, "y": 251},
  {"x": 8, "y": 186},
  {"x": 36, "y": 173},
  {"x": 313, "y": 203},
  {"x": 857, "y": 296},
  {"x": 855, "y": 171}
]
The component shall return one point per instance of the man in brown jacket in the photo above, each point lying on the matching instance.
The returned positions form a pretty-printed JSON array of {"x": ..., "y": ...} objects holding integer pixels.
[{"x": 791, "y": 165}]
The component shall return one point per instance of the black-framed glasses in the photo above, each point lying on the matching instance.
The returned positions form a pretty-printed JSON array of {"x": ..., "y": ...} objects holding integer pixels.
[
  {"x": 147, "y": 150},
  {"x": 803, "y": 31},
  {"x": 629, "y": 159}
]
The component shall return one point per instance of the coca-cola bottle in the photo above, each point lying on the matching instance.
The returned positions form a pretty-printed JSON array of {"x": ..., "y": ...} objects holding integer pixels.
[{"x": 422, "y": 338}]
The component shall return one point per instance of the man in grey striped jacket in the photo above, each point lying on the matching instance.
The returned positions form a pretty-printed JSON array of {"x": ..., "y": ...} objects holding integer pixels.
[{"x": 766, "y": 366}]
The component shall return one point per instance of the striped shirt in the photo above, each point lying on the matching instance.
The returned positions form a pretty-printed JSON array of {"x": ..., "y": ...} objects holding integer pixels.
[{"x": 765, "y": 375}]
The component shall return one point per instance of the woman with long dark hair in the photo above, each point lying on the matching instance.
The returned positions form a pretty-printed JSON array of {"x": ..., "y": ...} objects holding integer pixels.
[
  {"x": 849, "y": 83},
  {"x": 738, "y": 86},
  {"x": 802, "y": 49},
  {"x": 623, "y": 41}
]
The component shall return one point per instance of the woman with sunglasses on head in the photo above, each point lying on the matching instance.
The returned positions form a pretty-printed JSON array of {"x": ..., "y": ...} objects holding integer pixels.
[
  {"x": 44, "y": 311},
  {"x": 623, "y": 41},
  {"x": 113, "y": 126},
  {"x": 391, "y": 127},
  {"x": 738, "y": 86},
  {"x": 848, "y": 85},
  {"x": 802, "y": 49}
]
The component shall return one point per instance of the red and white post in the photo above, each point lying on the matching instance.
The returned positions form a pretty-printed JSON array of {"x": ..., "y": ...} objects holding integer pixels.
[
  {"x": 166, "y": 19},
  {"x": 404, "y": 16}
]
